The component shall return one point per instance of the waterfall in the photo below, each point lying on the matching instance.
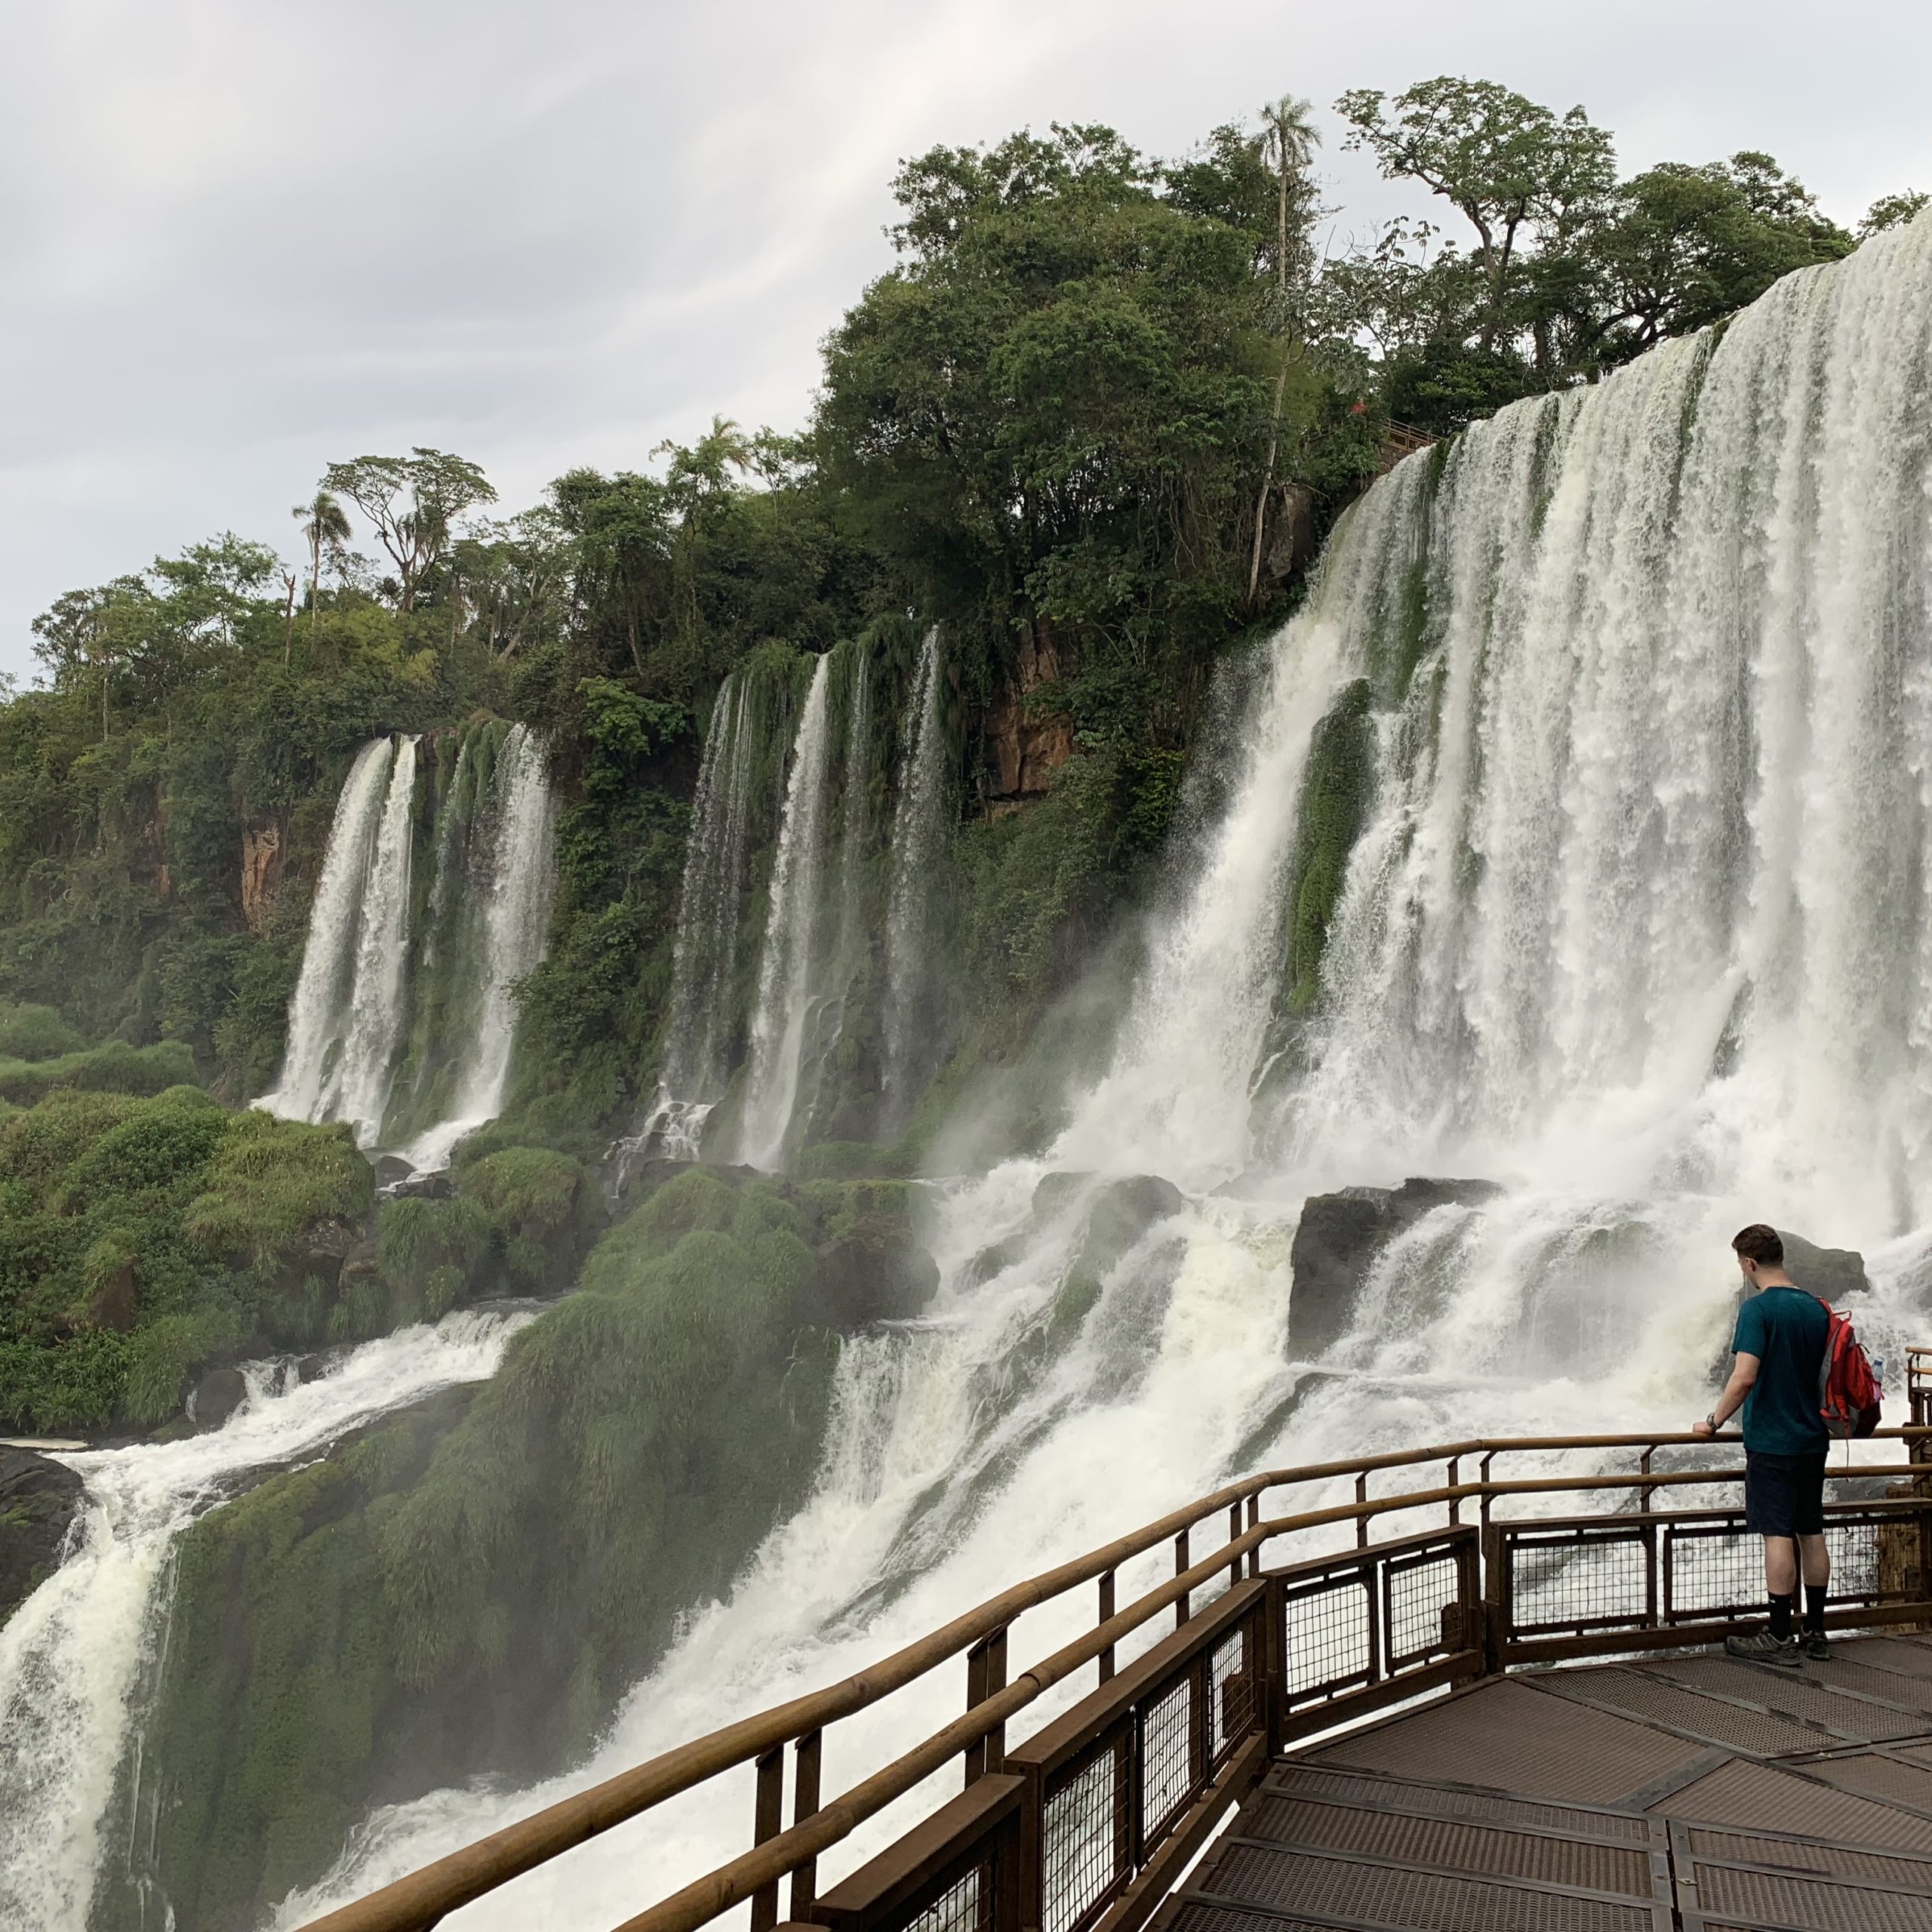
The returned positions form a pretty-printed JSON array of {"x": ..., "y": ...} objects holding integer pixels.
[
  {"x": 780, "y": 1019},
  {"x": 515, "y": 911},
  {"x": 918, "y": 841},
  {"x": 705, "y": 957},
  {"x": 73, "y": 1655},
  {"x": 374, "y": 1025},
  {"x": 1580, "y": 839},
  {"x": 403, "y": 1021},
  {"x": 317, "y": 1013}
]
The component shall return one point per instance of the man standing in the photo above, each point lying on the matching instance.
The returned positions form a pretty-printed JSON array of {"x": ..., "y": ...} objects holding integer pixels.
[{"x": 1779, "y": 1355}]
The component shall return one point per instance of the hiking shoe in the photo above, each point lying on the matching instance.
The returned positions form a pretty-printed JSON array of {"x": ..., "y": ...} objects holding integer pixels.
[
  {"x": 1816, "y": 1647},
  {"x": 1761, "y": 1646}
]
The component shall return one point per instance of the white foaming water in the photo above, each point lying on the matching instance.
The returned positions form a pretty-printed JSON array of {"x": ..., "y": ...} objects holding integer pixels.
[
  {"x": 918, "y": 833},
  {"x": 72, "y": 1656},
  {"x": 704, "y": 958},
  {"x": 316, "y": 1013},
  {"x": 345, "y": 1019},
  {"x": 785, "y": 971},
  {"x": 373, "y": 1027},
  {"x": 1639, "y": 925},
  {"x": 516, "y": 916}
]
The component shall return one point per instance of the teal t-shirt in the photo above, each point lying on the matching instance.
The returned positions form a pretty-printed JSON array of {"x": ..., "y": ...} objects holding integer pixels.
[{"x": 1786, "y": 1329}]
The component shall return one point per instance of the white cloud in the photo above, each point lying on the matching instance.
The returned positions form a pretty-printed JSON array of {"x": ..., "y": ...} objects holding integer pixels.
[{"x": 239, "y": 240}]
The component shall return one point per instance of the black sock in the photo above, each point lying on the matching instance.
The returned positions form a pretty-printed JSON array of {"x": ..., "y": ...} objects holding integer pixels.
[
  {"x": 1814, "y": 1608},
  {"x": 1782, "y": 1608}
]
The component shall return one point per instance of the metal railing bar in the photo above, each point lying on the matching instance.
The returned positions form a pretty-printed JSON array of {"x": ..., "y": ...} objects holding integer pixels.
[
  {"x": 418, "y": 1901},
  {"x": 731, "y": 1884}
]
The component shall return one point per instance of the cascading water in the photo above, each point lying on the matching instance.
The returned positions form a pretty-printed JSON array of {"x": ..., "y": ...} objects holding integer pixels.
[
  {"x": 72, "y": 1655},
  {"x": 317, "y": 1015},
  {"x": 786, "y": 980},
  {"x": 704, "y": 961},
  {"x": 516, "y": 915},
  {"x": 372, "y": 1027},
  {"x": 404, "y": 1026},
  {"x": 1581, "y": 839},
  {"x": 919, "y": 827}
]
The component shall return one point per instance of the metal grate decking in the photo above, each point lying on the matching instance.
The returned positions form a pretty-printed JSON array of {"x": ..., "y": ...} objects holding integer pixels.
[{"x": 1692, "y": 1794}]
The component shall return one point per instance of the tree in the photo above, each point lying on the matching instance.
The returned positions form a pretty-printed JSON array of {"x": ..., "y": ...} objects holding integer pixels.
[
  {"x": 1050, "y": 418},
  {"x": 323, "y": 523},
  {"x": 1516, "y": 170},
  {"x": 412, "y": 502},
  {"x": 1892, "y": 212},
  {"x": 1682, "y": 246},
  {"x": 1290, "y": 139},
  {"x": 512, "y": 579}
]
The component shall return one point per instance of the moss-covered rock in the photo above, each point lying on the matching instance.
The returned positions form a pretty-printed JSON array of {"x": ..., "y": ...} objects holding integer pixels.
[
  {"x": 38, "y": 1499},
  {"x": 452, "y": 1593},
  {"x": 143, "y": 1236}
]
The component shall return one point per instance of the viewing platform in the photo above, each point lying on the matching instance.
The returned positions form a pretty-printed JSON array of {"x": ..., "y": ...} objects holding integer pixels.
[{"x": 1514, "y": 1713}]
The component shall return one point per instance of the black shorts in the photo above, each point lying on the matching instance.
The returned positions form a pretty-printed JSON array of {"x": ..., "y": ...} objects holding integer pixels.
[{"x": 1784, "y": 1495}]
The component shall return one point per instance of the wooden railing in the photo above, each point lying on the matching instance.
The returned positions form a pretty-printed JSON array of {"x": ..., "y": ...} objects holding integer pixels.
[{"x": 1084, "y": 1826}]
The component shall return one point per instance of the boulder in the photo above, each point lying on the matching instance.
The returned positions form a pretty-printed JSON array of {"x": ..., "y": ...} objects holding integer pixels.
[
  {"x": 392, "y": 1170},
  {"x": 325, "y": 1243},
  {"x": 362, "y": 1262},
  {"x": 440, "y": 1185},
  {"x": 39, "y": 1499},
  {"x": 1337, "y": 1243},
  {"x": 874, "y": 1271},
  {"x": 215, "y": 1397},
  {"x": 1832, "y": 1274},
  {"x": 114, "y": 1303}
]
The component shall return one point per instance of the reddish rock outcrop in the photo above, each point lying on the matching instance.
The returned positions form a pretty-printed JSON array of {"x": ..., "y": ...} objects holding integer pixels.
[
  {"x": 261, "y": 872},
  {"x": 1024, "y": 752}
]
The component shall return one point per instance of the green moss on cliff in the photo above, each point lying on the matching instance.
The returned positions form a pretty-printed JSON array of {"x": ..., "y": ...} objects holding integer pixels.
[
  {"x": 142, "y": 1235},
  {"x": 453, "y": 1593},
  {"x": 1334, "y": 800}
]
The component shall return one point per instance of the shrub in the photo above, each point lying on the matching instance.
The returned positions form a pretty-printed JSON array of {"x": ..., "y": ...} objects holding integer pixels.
[{"x": 35, "y": 1032}]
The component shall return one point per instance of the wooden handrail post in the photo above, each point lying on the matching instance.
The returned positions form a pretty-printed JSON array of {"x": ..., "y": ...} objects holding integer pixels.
[
  {"x": 1254, "y": 1517},
  {"x": 804, "y": 1804},
  {"x": 1234, "y": 1536},
  {"x": 1182, "y": 1610},
  {"x": 985, "y": 1677},
  {"x": 1455, "y": 1482},
  {"x": 1496, "y": 1595},
  {"x": 1106, "y": 1617},
  {"x": 767, "y": 1821},
  {"x": 1361, "y": 1522}
]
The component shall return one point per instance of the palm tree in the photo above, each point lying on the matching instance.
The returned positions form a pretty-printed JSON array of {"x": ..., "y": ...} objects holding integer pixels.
[
  {"x": 1289, "y": 138},
  {"x": 322, "y": 522}
]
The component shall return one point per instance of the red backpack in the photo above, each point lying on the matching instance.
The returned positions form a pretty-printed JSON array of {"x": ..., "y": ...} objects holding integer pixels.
[{"x": 1848, "y": 1392}]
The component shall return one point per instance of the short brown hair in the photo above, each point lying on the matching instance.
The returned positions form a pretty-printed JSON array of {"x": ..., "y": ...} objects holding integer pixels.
[{"x": 1757, "y": 1243}]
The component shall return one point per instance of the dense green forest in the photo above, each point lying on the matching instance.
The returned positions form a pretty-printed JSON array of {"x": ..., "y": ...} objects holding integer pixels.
[{"x": 1092, "y": 423}]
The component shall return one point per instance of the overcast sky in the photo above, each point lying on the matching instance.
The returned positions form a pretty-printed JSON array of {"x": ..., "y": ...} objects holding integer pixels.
[{"x": 243, "y": 238}]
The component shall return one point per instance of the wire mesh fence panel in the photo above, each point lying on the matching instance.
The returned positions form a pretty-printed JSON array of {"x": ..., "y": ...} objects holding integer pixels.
[
  {"x": 965, "y": 1905},
  {"x": 1085, "y": 1852},
  {"x": 1168, "y": 1760},
  {"x": 1329, "y": 1635},
  {"x": 1231, "y": 1709},
  {"x": 1854, "y": 1546},
  {"x": 1579, "y": 1579},
  {"x": 1714, "y": 1569},
  {"x": 1416, "y": 1592}
]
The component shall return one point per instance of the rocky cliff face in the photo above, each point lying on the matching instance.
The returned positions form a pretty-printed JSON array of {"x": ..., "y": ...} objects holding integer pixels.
[{"x": 1024, "y": 752}]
